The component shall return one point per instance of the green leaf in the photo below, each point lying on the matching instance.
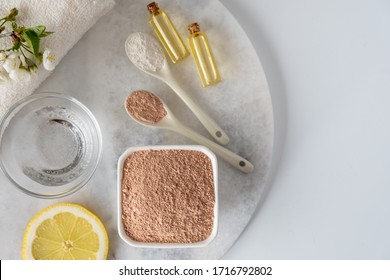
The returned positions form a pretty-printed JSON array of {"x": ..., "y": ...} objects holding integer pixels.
[
  {"x": 32, "y": 39},
  {"x": 40, "y": 30},
  {"x": 46, "y": 33},
  {"x": 16, "y": 45}
]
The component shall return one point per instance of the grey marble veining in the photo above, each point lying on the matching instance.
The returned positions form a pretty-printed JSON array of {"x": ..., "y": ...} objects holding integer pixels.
[{"x": 98, "y": 73}]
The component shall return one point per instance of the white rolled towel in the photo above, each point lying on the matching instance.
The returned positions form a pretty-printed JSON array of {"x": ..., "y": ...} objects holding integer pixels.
[{"x": 68, "y": 19}]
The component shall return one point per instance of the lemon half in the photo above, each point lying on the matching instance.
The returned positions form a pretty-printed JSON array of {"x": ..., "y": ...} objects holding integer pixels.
[{"x": 65, "y": 231}]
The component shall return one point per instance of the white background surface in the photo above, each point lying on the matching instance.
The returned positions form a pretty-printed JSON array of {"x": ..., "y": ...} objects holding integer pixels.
[{"x": 328, "y": 69}]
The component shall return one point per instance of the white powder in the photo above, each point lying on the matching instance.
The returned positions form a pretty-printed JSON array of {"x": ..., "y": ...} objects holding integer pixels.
[{"x": 145, "y": 52}]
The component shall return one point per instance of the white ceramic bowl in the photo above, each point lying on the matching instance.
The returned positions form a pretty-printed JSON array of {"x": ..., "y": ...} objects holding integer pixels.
[{"x": 121, "y": 230}]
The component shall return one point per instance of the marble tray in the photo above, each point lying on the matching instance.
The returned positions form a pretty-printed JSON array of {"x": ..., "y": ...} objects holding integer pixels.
[{"x": 97, "y": 72}]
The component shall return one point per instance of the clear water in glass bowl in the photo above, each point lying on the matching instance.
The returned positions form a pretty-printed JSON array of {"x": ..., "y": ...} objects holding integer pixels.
[{"x": 50, "y": 145}]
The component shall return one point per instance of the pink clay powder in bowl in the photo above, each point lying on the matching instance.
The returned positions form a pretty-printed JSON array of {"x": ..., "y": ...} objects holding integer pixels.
[{"x": 167, "y": 196}]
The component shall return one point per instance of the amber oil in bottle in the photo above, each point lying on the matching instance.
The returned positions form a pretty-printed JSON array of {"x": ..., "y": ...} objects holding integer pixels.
[
  {"x": 203, "y": 56},
  {"x": 167, "y": 33}
]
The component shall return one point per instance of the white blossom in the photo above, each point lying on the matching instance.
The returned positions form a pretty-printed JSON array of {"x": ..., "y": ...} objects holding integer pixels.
[
  {"x": 50, "y": 60},
  {"x": 13, "y": 54},
  {"x": 20, "y": 75},
  {"x": 23, "y": 61},
  {"x": 3, "y": 75},
  {"x": 3, "y": 56},
  {"x": 12, "y": 62}
]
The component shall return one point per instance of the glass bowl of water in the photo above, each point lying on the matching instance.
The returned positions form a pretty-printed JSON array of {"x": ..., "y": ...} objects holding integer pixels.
[{"x": 50, "y": 145}]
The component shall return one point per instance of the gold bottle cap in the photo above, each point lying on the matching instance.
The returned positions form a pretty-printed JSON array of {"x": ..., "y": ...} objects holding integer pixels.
[
  {"x": 153, "y": 8},
  {"x": 193, "y": 28}
]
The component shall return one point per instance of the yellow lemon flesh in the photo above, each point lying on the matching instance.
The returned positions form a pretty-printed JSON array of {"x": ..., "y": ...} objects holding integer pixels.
[{"x": 65, "y": 231}]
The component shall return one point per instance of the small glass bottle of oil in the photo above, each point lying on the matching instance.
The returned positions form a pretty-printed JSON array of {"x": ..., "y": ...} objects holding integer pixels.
[
  {"x": 203, "y": 56},
  {"x": 167, "y": 33}
]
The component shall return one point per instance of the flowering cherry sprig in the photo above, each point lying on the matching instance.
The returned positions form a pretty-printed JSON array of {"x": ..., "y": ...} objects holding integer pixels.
[{"x": 23, "y": 56}]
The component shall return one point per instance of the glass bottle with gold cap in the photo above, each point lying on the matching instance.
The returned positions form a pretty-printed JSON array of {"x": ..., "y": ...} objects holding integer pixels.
[
  {"x": 167, "y": 33},
  {"x": 203, "y": 56}
]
